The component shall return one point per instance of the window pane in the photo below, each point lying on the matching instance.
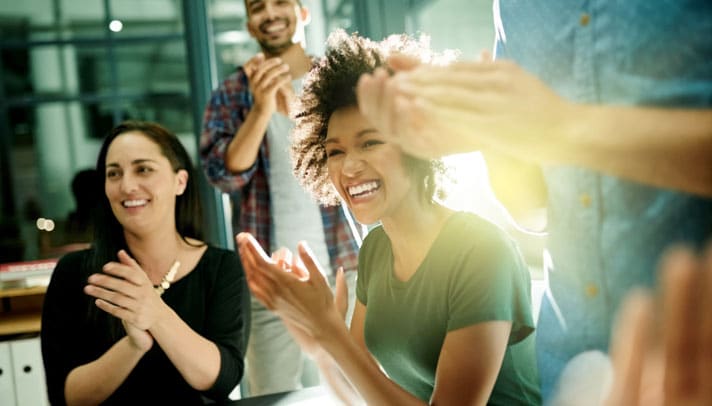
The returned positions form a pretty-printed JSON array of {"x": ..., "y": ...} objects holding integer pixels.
[
  {"x": 48, "y": 145},
  {"x": 132, "y": 18}
]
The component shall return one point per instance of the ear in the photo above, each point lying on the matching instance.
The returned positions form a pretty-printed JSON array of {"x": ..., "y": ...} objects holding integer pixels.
[
  {"x": 304, "y": 15},
  {"x": 182, "y": 178}
]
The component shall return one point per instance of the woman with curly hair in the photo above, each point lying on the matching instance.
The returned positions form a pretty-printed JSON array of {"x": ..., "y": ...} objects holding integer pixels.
[{"x": 443, "y": 312}]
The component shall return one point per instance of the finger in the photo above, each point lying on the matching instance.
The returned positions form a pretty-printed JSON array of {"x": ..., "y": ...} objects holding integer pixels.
[
  {"x": 113, "y": 284},
  {"x": 341, "y": 293},
  {"x": 268, "y": 70},
  {"x": 108, "y": 296},
  {"x": 261, "y": 294},
  {"x": 298, "y": 269},
  {"x": 368, "y": 95},
  {"x": 680, "y": 305},
  {"x": 114, "y": 310},
  {"x": 630, "y": 343},
  {"x": 127, "y": 268},
  {"x": 251, "y": 65},
  {"x": 401, "y": 62},
  {"x": 372, "y": 97},
  {"x": 247, "y": 240},
  {"x": 311, "y": 263}
]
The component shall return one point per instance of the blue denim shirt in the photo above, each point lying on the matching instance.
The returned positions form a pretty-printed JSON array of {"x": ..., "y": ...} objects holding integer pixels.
[{"x": 606, "y": 234}]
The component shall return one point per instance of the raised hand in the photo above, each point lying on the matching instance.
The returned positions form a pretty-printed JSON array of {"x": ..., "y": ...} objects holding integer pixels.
[
  {"x": 298, "y": 293},
  {"x": 125, "y": 291},
  {"x": 670, "y": 362},
  {"x": 269, "y": 82},
  {"x": 433, "y": 111}
]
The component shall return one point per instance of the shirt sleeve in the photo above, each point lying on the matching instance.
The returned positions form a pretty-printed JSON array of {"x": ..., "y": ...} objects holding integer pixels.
[
  {"x": 492, "y": 283},
  {"x": 228, "y": 321},
  {"x": 224, "y": 114}
]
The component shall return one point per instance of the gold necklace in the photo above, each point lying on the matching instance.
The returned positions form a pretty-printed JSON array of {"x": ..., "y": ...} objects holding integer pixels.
[{"x": 167, "y": 279}]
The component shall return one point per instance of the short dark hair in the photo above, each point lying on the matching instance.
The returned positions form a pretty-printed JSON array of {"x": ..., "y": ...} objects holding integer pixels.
[{"x": 331, "y": 85}]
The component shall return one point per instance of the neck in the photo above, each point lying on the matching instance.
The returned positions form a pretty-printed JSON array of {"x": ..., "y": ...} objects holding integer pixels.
[
  {"x": 155, "y": 253},
  {"x": 297, "y": 59},
  {"x": 413, "y": 231}
]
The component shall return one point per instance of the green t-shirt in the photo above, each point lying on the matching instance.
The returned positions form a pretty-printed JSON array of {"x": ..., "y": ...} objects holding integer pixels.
[{"x": 473, "y": 273}]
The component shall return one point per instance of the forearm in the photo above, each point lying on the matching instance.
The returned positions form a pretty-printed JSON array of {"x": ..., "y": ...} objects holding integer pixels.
[
  {"x": 670, "y": 148},
  {"x": 94, "y": 382},
  {"x": 195, "y": 357},
  {"x": 242, "y": 151},
  {"x": 335, "y": 379},
  {"x": 364, "y": 374}
]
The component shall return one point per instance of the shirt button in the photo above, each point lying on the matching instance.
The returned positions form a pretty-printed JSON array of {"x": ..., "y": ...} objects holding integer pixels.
[
  {"x": 585, "y": 199},
  {"x": 585, "y": 18},
  {"x": 591, "y": 290}
]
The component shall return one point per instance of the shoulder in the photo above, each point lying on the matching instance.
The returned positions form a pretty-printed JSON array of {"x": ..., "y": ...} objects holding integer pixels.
[
  {"x": 72, "y": 267},
  {"x": 219, "y": 256},
  {"x": 468, "y": 231},
  {"x": 236, "y": 81},
  {"x": 374, "y": 241}
]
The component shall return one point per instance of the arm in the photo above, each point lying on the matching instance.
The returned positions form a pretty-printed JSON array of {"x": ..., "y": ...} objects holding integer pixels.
[
  {"x": 74, "y": 375},
  {"x": 233, "y": 129},
  {"x": 306, "y": 301},
  {"x": 90, "y": 384},
  {"x": 265, "y": 78},
  {"x": 126, "y": 293},
  {"x": 497, "y": 105}
]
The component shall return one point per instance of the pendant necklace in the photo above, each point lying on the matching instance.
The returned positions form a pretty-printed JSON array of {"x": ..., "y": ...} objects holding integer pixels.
[{"x": 167, "y": 279}]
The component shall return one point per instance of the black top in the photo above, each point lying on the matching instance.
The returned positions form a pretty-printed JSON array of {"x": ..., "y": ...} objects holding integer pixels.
[{"x": 213, "y": 300}]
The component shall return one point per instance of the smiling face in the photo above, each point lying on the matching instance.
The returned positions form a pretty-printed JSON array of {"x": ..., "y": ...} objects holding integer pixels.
[
  {"x": 367, "y": 172},
  {"x": 141, "y": 185},
  {"x": 275, "y": 24}
]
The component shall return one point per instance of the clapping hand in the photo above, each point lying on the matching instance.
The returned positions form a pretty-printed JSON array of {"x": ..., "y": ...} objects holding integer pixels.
[
  {"x": 662, "y": 346},
  {"x": 125, "y": 291},
  {"x": 270, "y": 84},
  {"x": 292, "y": 287}
]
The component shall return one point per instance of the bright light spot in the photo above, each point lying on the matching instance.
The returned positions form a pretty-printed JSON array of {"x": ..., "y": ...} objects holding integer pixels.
[
  {"x": 45, "y": 224},
  {"x": 116, "y": 25}
]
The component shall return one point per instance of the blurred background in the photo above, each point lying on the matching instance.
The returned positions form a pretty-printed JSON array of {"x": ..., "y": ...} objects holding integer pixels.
[{"x": 72, "y": 69}]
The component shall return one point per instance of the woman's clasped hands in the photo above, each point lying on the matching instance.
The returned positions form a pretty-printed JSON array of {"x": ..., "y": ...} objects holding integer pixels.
[{"x": 125, "y": 291}]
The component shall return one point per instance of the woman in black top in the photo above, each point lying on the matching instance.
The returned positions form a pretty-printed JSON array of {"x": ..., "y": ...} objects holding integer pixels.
[{"x": 149, "y": 314}]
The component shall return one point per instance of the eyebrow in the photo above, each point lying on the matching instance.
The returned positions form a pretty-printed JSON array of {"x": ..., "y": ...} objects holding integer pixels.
[
  {"x": 134, "y": 162},
  {"x": 359, "y": 134}
]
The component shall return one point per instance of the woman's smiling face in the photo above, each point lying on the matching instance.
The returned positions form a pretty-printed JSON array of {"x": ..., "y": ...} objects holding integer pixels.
[
  {"x": 140, "y": 183},
  {"x": 367, "y": 172}
]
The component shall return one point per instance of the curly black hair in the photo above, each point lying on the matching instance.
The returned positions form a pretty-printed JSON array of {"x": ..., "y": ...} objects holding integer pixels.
[{"x": 331, "y": 85}]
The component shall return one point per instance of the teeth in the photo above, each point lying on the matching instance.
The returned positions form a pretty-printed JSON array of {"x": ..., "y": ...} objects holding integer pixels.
[
  {"x": 134, "y": 203},
  {"x": 363, "y": 188},
  {"x": 275, "y": 27}
]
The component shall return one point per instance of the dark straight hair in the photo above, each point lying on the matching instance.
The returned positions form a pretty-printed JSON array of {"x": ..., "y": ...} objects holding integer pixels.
[{"x": 108, "y": 232}]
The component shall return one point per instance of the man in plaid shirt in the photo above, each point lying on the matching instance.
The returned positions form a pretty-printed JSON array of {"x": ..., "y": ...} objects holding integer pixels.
[{"x": 245, "y": 152}]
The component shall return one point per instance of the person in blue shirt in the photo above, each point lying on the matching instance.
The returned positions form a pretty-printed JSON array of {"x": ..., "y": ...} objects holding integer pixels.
[{"x": 601, "y": 112}]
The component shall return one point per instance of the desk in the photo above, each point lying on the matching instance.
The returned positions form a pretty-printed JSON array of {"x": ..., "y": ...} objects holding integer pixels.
[{"x": 317, "y": 395}]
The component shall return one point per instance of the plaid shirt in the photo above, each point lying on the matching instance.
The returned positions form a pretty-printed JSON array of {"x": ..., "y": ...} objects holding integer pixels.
[{"x": 226, "y": 111}]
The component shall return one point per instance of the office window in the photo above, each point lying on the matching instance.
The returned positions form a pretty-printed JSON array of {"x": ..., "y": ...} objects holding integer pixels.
[{"x": 69, "y": 71}]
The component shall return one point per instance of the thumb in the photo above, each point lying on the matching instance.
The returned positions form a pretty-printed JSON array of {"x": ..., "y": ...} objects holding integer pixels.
[
  {"x": 341, "y": 293},
  {"x": 126, "y": 259},
  {"x": 400, "y": 62}
]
